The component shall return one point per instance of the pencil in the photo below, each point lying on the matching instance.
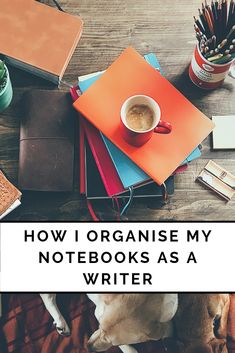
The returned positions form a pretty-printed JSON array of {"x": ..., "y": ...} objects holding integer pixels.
[
  {"x": 222, "y": 44},
  {"x": 215, "y": 57},
  {"x": 213, "y": 8},
  {"x": 204, "y": 23},
  {"x": 219, "y": 21},
  {"x": 230, "y": 16},
  {"x": 215, "y": 30},
  {"x": 209, "y": 22},
  {"x": 231, "y": 33},
  {"x": 197, "y": 22},
  {"x": 210, "y": 54},
  {"x": 213, "y": 42},
  {"x": 224, "y": 17},
  {"x": 223, "y": 60}
]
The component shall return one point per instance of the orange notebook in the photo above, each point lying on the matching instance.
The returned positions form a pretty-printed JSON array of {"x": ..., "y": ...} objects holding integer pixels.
[
  {"x": 129, "y": 75},
  {"x": 38, "y": 38}
]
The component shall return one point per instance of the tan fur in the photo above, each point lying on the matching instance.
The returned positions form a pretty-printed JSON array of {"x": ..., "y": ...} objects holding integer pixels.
[
  {"x": 194, "y": 322},
  {"x": 131, "y": 318}
]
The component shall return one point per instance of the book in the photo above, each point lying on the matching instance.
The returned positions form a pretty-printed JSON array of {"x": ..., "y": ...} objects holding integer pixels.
[
  {"x": 217, "y": 179},
  {"x": 95, "y": 188},
  {"x": 44, "y": 50},
  {"x": 109, "y": 176},
  {"x": 193, "y": 155},
  {"x": 47, "y": 130},
  {"x": 82, "y": 181},
  {"x": 130, "y": 74},
  {"x": 10, "y": 196},
  {"x": 129, "y": 173},
  {"x": 223, "y": 133}
]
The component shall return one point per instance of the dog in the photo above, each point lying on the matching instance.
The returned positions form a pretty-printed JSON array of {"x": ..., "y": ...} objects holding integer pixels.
[
  {"x": 201, "y": 322},
  {"x": 124, "y": 319},
  {"x": 61, "y": 325}
]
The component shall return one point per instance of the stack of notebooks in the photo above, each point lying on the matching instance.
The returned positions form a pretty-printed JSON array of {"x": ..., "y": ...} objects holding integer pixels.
[{"x": 109, "y": 167}]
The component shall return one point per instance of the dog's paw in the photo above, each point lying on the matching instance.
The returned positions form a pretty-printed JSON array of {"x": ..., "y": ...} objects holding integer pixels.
[{"x": 62, "y": 328}]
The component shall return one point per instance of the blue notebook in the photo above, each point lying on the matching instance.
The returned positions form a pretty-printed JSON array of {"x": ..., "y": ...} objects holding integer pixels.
[{"x": 129, "y": 173}]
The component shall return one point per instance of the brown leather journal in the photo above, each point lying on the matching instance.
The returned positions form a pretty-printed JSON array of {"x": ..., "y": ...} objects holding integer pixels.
[{"x": 46, "y": 159}]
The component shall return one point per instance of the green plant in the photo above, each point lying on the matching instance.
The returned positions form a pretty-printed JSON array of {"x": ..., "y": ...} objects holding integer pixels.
[{"x": 3, "y": 75}]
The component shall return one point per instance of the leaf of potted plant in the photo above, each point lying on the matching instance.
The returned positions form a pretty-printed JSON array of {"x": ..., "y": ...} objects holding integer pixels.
[{"x": 6, "y": 92}]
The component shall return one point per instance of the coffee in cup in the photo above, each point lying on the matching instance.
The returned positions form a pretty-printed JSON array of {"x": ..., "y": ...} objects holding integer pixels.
[{"x": 140, "y": 117}]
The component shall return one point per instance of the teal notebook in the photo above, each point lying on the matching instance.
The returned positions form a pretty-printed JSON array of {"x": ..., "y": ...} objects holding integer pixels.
[{"x": 129, "y": 173}]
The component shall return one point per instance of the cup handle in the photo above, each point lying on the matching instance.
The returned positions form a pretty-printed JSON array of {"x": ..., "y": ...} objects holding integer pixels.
[
  {"x": 232, "y": 70},
  {"x": 163, "y": 127}
]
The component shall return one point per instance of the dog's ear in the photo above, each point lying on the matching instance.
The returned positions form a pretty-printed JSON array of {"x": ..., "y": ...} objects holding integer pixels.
[{"x": 98, "y": 341}]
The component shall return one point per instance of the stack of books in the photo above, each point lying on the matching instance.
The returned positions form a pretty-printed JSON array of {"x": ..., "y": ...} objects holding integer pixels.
[{"x": 105, "y": 170}]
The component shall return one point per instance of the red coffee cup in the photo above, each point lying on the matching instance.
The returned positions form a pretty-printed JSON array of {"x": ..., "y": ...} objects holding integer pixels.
[
  {"x": 138, "y": 138},
  {"x": 205, "y": 74}
]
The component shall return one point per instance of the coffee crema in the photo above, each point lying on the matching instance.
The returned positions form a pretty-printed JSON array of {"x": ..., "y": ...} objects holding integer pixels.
[{"x": 140, "y": 117}]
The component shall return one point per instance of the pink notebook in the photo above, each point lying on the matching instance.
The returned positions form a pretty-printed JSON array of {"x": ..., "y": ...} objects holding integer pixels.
[
  {"x": 82, "y": 158},
  {"x": 108, "y": 173}
]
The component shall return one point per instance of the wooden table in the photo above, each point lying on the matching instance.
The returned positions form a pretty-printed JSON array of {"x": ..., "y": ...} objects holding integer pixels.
[{"x": 165, "y": 28}]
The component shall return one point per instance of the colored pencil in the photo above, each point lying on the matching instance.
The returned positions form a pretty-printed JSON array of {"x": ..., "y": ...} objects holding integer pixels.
[
  {"x": 197, "y": 22},
  {"x": 224, "y": 17},
  {"x": 204, "y": 23},
  {"x": 223, "y": 60},
  {"x": 215, "y": 30},
  {"x": 216, "y": 57},
  {"x": 230, "y": 16}
]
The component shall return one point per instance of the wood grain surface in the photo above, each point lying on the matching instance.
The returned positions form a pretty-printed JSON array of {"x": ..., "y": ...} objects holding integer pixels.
[{"x": 165, "y": 28}]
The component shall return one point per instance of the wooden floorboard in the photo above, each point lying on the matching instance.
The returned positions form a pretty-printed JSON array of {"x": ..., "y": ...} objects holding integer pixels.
[{"x": 162, "y": 27}]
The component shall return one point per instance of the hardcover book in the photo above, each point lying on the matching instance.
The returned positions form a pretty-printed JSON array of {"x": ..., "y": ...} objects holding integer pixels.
[
  {"x": 95, "y": 188},
  {"x": 109, "y": 176},
  {"x": 38, "y": 38},
  {"x": 9, "y": 196}
]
